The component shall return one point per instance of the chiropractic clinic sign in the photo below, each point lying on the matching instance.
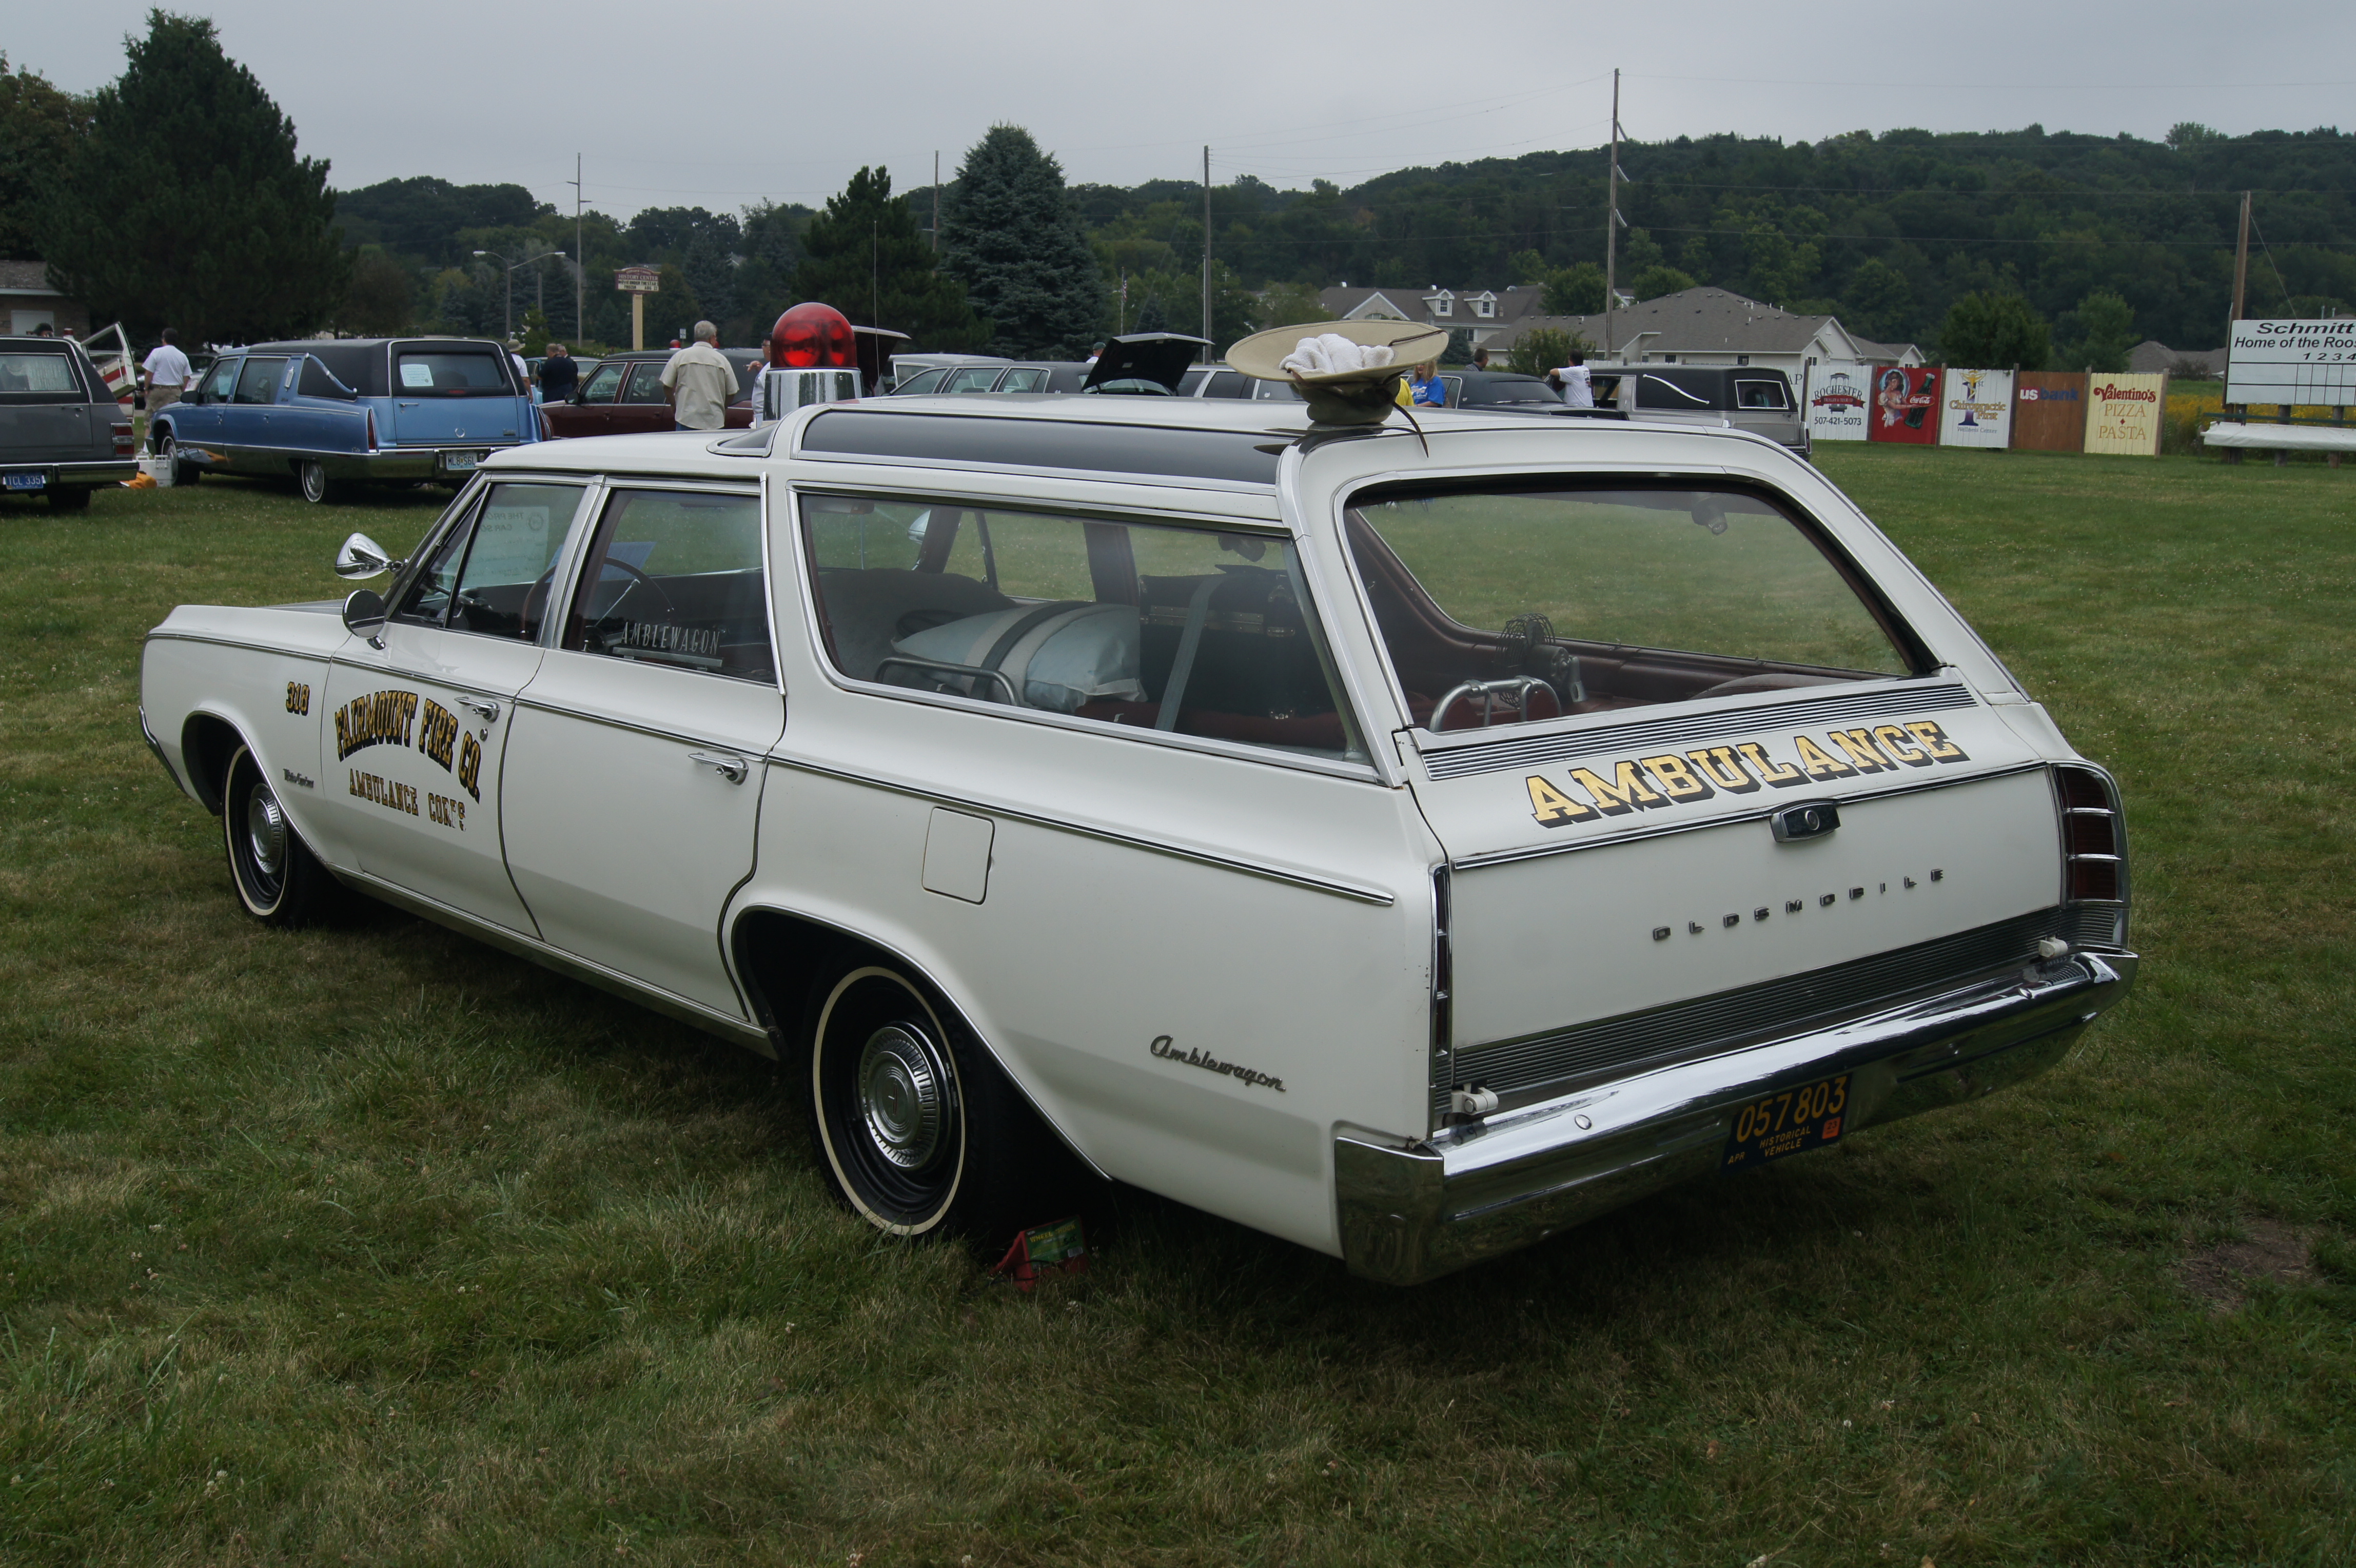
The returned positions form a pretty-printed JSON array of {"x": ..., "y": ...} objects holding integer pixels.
[{"x": 1977, "y": 410}]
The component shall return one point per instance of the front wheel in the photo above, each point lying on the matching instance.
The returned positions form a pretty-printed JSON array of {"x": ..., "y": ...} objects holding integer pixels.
[
  {"x": 920, "y": 1131},
  {"x": 278, "y": 879},
  {"x": 168, "y": 449}
]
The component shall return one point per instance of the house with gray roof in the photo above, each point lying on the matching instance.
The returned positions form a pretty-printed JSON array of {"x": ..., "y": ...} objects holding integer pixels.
[
  {"x": 1489, "y": 314},
  {"x": 30, "y": 301},
  {"x": 2152, "y": 356}
]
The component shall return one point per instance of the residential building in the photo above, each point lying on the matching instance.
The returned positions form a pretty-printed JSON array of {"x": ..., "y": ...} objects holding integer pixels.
[{"x": 31, "y": 302}]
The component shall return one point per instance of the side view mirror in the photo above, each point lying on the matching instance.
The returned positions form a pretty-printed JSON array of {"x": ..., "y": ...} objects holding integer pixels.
[
  {"x": 364, "y": 614},
  {"x": 362, "y": 557}
]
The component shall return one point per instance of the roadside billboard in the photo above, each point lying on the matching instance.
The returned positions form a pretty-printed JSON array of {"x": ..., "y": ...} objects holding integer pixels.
[
  {"x": 1837, "y": 390},
  {"x": 2286, "y": 361},
  {"x": 1905, "y": 405},
  {"x": 2049, "y": 411},
  {"x": 1977, "y": 410},
  {"x": 2125, "y": 413}
]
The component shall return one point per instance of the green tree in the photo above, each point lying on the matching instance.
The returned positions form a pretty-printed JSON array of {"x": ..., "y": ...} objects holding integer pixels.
[
  {"x": 1543, "y": 349},
  {"x": 1656, "y": 281},
  {"x": 2098, "y": 334},
  {"x": 865, "y": 256},
  {"x": 39, "y": 127},
  {"x": 376, "y": 304},
  {"x": 1012, "y": 236},
  {"x": 1528, "y": 267},
  {"x": 185, "y": 203},
  {"x": 1994, "y": 331},
  {"x": 1289, "y": 303},
  {"x": 1879, "y": 301},
  {"x": 1778, "y": 269},
  {"x": 1574, "y": 291}
]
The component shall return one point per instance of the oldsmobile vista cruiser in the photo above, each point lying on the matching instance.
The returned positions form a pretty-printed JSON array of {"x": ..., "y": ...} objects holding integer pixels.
[{"x": 1409, "y": 845}]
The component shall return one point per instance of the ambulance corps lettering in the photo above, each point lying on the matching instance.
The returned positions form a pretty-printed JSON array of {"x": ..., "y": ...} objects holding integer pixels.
[
  {"x": 378, "y": 718},
  {"x": 1648, "y": 783},
  {"x": 384, "y": 792}
]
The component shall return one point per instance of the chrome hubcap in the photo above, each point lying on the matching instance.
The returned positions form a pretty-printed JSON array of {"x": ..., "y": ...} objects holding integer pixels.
[
  {"x": 900, "y": 1094},
  {"x": 265, "y": 831}
]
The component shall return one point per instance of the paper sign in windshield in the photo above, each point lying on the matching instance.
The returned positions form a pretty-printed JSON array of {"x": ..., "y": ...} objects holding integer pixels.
[{"x": 413, "y": 374}]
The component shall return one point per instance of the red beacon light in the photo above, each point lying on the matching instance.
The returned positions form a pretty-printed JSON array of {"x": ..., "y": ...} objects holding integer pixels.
[{"x": 813, "y": 336}]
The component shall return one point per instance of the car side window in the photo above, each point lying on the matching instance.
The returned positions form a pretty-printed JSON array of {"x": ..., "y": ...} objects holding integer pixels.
[
  {"x": 493, "y": 572},
  {"x": 1760, "y": 394},
  {"x": 601, "y": 385},
  {"x": 1029, "y": 381},
  {"x": 924, "y": 382},
  {"x": 258, "y": 382},
  {"x": 217, "y": 384},
  {"x": 645, "y": 383},
  {"x": 674, "y": 577},
  {"x": 28, "y": 376},
  {"x": 977, "y": 378},
  {"x": 1144, "y": 624}
]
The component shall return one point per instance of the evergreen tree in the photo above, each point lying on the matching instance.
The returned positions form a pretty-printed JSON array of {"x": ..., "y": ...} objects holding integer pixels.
[
  {"x": 1995, "y": 330},
  {"x": 711, "y": 267},
  {"x": 1656, "y": 281},
  {"x": 39, "y": 125},
  {"x": 1575, "y": 290},
  {"x": 186, "y": 203},
  {"x": 1012, "y": 235},
  {"x": 865, "y": 256}
]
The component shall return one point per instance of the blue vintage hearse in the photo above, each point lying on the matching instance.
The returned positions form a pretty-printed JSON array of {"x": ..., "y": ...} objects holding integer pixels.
[{"x": 361, "y": 408}]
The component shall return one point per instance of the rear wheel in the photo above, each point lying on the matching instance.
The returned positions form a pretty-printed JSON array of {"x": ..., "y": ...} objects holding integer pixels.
[
  {"x": 920, "y": 1132},
  {"x": 277, "y": 878},
  {"x": 312, "y": 475},
  {"x": 69, "y": 497}
]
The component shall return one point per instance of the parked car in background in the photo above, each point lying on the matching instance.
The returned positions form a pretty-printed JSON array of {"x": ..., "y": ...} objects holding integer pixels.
[
  {"x": 906, "y": 367},
  {"x": 1748, "y": 398},
  {"x": 624, "y": 396},
  {"x": 1152, "y": 363},
  {"x": 325, "y": 413},
  {"x": 1410, "y": 845},
  {"x": 62, "y": 433},
  {"x": 1498, "y": 389}
]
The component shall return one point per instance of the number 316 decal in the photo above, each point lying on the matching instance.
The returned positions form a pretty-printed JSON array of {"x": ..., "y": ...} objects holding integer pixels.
[{"x": 298, "y": 696}]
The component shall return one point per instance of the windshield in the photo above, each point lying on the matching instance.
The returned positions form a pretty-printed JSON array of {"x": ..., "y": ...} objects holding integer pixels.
[
  {"x": 1560, "y": 601},
  {"x": 450, "y": 372}
]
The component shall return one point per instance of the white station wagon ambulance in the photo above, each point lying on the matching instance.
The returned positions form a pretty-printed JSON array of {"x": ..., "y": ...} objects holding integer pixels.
[{"x": 1407, "y": 843}]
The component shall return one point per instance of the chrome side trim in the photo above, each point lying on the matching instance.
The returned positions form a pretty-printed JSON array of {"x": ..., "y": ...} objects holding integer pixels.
[
  {"x": 1361, "y": 892},
  {"x": 233, "y": 642},
  {"x": 156, "y": 747},
  {"x": 1542, "y": 851},
  {"x": 1411, "y": 1212},
  {"x": 653, "y": 998},
  {"x": 524, "y": 700}
]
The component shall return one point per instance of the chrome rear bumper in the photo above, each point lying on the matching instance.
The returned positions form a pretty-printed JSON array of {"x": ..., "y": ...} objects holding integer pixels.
[{"x": 1412, "y": 1213}]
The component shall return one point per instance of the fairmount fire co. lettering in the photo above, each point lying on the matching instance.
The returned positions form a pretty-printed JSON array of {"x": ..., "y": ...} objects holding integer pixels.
[{"x": 379, "y": 718}]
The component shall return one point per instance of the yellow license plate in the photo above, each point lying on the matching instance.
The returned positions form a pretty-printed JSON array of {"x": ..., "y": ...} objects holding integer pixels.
[{"x": 1788, "y": 1121}]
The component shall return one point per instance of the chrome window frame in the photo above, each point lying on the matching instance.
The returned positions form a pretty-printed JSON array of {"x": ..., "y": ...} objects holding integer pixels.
[{"x": 1358, "y": 770}]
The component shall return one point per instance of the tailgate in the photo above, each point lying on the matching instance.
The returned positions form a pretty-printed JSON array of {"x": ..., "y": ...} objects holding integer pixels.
[{"x": 1620, "y": 893}]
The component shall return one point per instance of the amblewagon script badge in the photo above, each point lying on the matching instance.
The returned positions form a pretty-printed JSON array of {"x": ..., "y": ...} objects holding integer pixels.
[{"x": 1163, "y": 1048}]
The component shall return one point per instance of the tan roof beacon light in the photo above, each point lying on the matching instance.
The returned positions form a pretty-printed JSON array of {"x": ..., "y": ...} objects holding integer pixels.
[{"x": 1365, "y": 395}]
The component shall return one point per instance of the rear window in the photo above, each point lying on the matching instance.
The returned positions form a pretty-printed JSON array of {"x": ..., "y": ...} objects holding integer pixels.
[
  {"x": 450, "y": 372},
  {"x": 1499, "y": 606},
  {"x": 38, "y": 376},
  {"x": 1761, "y": 395}
]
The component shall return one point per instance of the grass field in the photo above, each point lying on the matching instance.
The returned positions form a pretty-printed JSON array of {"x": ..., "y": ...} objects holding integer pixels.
[{"x": 371, "y": 1245}]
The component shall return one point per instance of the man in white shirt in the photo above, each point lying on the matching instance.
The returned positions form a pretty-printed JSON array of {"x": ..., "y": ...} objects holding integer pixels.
[
  {"x": 701, "y": 381},
  {"x": 168, "y": 375},
  {"x": 1577, "y": 389}
]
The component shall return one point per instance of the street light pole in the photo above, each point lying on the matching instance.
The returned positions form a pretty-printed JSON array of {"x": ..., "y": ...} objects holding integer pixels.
[{"x": 506, "y": 293}]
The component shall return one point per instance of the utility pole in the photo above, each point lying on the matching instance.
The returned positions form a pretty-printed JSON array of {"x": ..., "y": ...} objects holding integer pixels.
[
  {"x": 1611, "y": 217},
  {"x": 937, "y": 203},
  {"x": 876, "y": 272},
  {"x": 2241, "y": 264},
  {"x": 580, "y": 260},
  {"x": 1206, "y": 247}
]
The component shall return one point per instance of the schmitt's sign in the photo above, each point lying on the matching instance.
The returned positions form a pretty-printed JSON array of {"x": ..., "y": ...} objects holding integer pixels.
[{"x": 2283, "y": 361}]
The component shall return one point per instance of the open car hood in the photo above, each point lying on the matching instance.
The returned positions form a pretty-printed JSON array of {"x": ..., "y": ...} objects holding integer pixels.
[{"x": 1161, "y": 358}]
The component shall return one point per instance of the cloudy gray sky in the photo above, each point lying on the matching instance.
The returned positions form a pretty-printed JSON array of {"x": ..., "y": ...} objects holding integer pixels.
[{"x": 723, "y": 102}]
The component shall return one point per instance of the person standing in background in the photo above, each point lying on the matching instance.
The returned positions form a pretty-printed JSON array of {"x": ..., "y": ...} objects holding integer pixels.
[
  {"x": 168, "y": 372},
  {"x": 1577, "y": 386},
  {"x": 701, "y": 381},
  {"x": 1430, "y": 391},
  {"x": 559, "y": 375}
]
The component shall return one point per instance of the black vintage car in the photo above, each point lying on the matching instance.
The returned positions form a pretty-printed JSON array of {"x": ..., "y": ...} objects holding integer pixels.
[
  {"x": 62, "y": 434},
  {"x": 1153, "y": 364}
]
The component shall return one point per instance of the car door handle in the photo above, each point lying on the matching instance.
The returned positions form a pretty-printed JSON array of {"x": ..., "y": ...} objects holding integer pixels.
[
  {"x": 487, "y": 711},
  {"x": 732, "y": 768}
]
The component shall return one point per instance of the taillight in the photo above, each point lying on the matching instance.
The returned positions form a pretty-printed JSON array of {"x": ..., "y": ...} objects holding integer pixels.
[
  {"x": 371, "y": 429},
  {"x": 123, "y": 439},
  {"x": 2093, "y": 845}
]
